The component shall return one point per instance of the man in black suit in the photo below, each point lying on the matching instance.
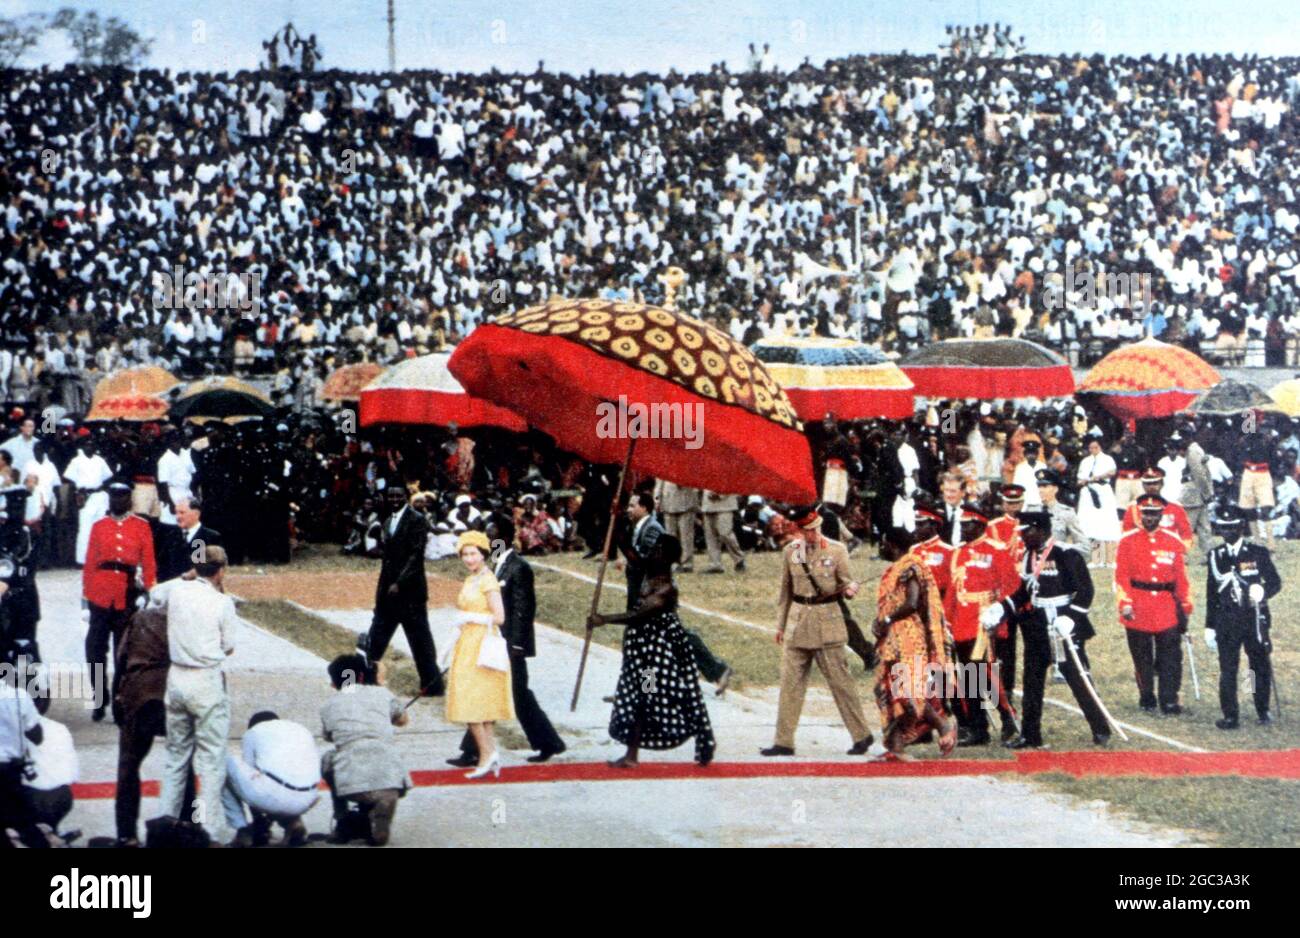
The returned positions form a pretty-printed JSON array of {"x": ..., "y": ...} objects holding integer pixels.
[
  {"x": 637, "y": 545},
  {"x": 638, "y": 541},
  {"x": 178, "y": 543},
  {"x": 1242, "y": 579},
  {"x": 516, "y": 578},
  {"x": 402, "y": 595}
]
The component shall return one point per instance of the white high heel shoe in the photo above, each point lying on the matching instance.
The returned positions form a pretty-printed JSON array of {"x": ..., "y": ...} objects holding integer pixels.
[{"x": 493, "y": 766}]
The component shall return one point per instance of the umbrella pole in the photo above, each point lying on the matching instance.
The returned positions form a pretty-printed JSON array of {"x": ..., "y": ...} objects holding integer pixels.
[{"x": 600, "y": 574}]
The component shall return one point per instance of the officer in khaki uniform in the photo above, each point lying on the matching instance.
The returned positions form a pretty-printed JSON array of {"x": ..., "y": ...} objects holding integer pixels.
[{"x": 818, "y": 634}]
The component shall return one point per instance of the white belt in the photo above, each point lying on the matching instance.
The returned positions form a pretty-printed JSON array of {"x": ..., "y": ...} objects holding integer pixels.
[{"x": 1051, "y": 602}]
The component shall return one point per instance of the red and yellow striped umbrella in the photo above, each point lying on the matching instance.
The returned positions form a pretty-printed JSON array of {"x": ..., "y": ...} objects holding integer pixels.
[{"x": 1149, "y": 379}]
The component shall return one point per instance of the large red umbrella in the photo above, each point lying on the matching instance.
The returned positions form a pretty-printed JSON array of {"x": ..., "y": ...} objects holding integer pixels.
[
  {"x": 1149, "y": 379},
  {"x": 645, "y": 386},
  {"x": 840, "y": 376},
  {"x": 988, "y": 369},
  {"x": 423, "y": 391},
  {"x": 582, "y": 370}
]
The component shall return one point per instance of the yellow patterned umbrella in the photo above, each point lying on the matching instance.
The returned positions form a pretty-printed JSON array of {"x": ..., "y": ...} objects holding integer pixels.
[
  {"x": 147, "y": 379},
  {"x": 1286, "y": 396}
]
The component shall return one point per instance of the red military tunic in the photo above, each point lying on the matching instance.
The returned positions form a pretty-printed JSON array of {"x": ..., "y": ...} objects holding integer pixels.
[
  {"x": 937, "y": 556},
  {"x": 1174, "y": 520},
  {"x": 1151, "y": 579},
  {"x": 1006, "y": 530},
  {"x": 983, "y": 573},
  {"x": 129, "y": 542}
]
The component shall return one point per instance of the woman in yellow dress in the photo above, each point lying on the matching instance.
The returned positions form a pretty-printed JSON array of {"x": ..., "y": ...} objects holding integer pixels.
[{"x": 478, "y": 695}]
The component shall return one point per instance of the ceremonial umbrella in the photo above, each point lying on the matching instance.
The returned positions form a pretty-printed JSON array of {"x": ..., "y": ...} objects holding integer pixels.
[
  {"x": 345, "y": 383},
  {"x": 134, "y": 407},
  {"x": 1287, "y": 396},
  {"x": 851, "y": 380},
  {"x": 147, "y": 379},
  {"x": 1149, "y": 379},
  {"x": 422, "y": 391},
  {"x": 659, "y": 391},
  {"x": 1229, "y": 398},
  {"x": 986, "y": 369},
  {"x": 221, "y": 397}
]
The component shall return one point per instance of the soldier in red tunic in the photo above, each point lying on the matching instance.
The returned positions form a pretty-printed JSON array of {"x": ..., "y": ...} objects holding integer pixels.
[
  {"x": 1154, "y": 605},
  {"x": 931, "y": 551},
  {"x": 1006, "y": 527},
  {"x": 119, "y": 565},
  {"x": 982, "y": 576},
  {"x": 1174, "y": 520}
]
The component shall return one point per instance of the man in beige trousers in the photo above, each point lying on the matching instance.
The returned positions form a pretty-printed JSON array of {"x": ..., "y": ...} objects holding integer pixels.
[
  {"x": 814, "y": 573},
  {"x": 678, "y": 505}
]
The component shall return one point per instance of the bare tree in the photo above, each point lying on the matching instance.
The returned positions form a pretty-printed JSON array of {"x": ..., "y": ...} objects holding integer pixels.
[
  {"x": 18, "y": 35},
  {"x": 101, "y": 41}
]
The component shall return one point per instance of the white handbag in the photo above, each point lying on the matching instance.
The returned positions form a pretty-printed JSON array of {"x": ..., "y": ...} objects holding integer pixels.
[{"x": 492, "y": 651}]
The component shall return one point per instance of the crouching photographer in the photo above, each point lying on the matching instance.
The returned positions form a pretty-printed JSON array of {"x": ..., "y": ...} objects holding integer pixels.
[
  {"x": 363, "y": 770},
  {"x": 20, "y": 729}
]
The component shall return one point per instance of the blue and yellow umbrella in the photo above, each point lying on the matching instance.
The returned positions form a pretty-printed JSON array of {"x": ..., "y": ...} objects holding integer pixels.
[{"x": 839, "y": 376}]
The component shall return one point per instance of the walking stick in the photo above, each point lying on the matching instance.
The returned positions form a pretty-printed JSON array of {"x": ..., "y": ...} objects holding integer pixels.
[
  {"x": 1259, "y": 635},
  {"x": 1092, "y": 691},
  {"x": 1191, "y": 660},
  {"x": 600, "y": 574}
]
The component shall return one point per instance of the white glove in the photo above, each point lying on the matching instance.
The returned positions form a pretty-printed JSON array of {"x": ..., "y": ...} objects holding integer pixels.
[
  {"x": 1256, "y": 593},
  {"x": 1211, "y": 640},
  {"x": 991, "y": 617},
  {"x": 1064, "y": 626}
]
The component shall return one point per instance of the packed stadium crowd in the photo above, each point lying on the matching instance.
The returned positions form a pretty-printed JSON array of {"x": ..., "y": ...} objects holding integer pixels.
[{"x": 310, "y": 219}]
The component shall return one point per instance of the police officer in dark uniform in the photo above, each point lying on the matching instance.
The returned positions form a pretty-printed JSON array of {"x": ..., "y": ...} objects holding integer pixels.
[
  {"x": 1242, "y": 579},
  {"x": 20, "y": 604},
  {"x": 1051, "y": 607}
]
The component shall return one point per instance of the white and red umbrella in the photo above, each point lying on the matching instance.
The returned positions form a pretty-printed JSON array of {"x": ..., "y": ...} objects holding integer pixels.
[{"x": 422, "y": 391}]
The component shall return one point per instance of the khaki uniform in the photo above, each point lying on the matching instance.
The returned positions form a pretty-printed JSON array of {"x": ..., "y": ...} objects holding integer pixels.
[
  {"x": 679, "y": 505},
  {"x": 816, "y": 634}
]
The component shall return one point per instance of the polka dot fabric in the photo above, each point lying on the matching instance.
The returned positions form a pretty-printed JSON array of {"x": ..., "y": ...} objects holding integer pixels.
[
  {"x": 659, "y": 683},
  {"x": 686, "y": 351}
]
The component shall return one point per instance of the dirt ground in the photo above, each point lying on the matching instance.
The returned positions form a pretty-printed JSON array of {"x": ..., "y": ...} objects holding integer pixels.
[{"x": 335, "y": 589}]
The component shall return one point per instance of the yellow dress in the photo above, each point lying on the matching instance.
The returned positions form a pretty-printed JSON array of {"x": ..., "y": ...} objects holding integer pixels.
[{"x": 475, "y": 694}]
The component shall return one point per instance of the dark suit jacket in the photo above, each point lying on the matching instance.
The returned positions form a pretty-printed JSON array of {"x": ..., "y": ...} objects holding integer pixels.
[
  {"x": 636, "y": 549},
  {"x": 175, "y": 555},
  {"x": 520, "y": 602},
  {"x": 403, "y": 561}
]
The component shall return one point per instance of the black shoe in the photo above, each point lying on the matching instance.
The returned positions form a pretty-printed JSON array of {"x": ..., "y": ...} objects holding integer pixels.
[
  {"x": 1148, "y": 708},
  {"x": 1101, "y": 739},
  {"x": 609, "y": 699},
  {"x": 463, "y": 761},
  {"x": 1010, "y": 730},
  {"x": 861, "y": 746},
  {"x": 776, "y": 751},
  {"x": 438, "y": 690},
  {"x": 1020, "y": 742},
  {"x": 966, "y": 738},
  {"x": 591, "y": 555},
  {"x": 740, "y": 565},
  {"x": 712, "y": 570},
  {"x": 1227, "y": 723},
  {"x": 1265, "y": 718},
  {"x": 546, "y": 754},
  {"x": 1171, "y": 710},
  {"x": 97, "y": 714}
]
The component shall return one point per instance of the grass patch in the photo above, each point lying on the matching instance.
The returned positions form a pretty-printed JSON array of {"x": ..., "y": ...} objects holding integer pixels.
[{"x": 1229, "y": 812}]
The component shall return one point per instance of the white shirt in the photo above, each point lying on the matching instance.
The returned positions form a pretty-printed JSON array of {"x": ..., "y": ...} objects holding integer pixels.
[
  {"x": 20, "y": 449},
  {"x": 1172, "y": 490},
  {"x": 17, "y": 716},
  {"x": 88, "y": 472},
  {"x": 55, "y": 759},
  {"x": 201, "y": 622},
  {"x": 285, "y": 750}
]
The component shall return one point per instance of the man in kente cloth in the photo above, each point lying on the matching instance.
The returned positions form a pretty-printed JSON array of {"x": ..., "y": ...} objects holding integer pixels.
[{"x": 915, "y": 654}]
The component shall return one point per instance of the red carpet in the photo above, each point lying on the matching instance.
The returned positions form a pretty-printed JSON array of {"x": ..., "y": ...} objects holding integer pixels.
[{"x": 1279, "y": 764}]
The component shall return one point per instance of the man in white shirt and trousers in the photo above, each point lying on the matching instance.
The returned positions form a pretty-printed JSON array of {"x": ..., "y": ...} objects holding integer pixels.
[
  {"x": 89, "y": 473},
  {"x": 201, "y": 624},
  {"x": 275, "y": 777}
]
